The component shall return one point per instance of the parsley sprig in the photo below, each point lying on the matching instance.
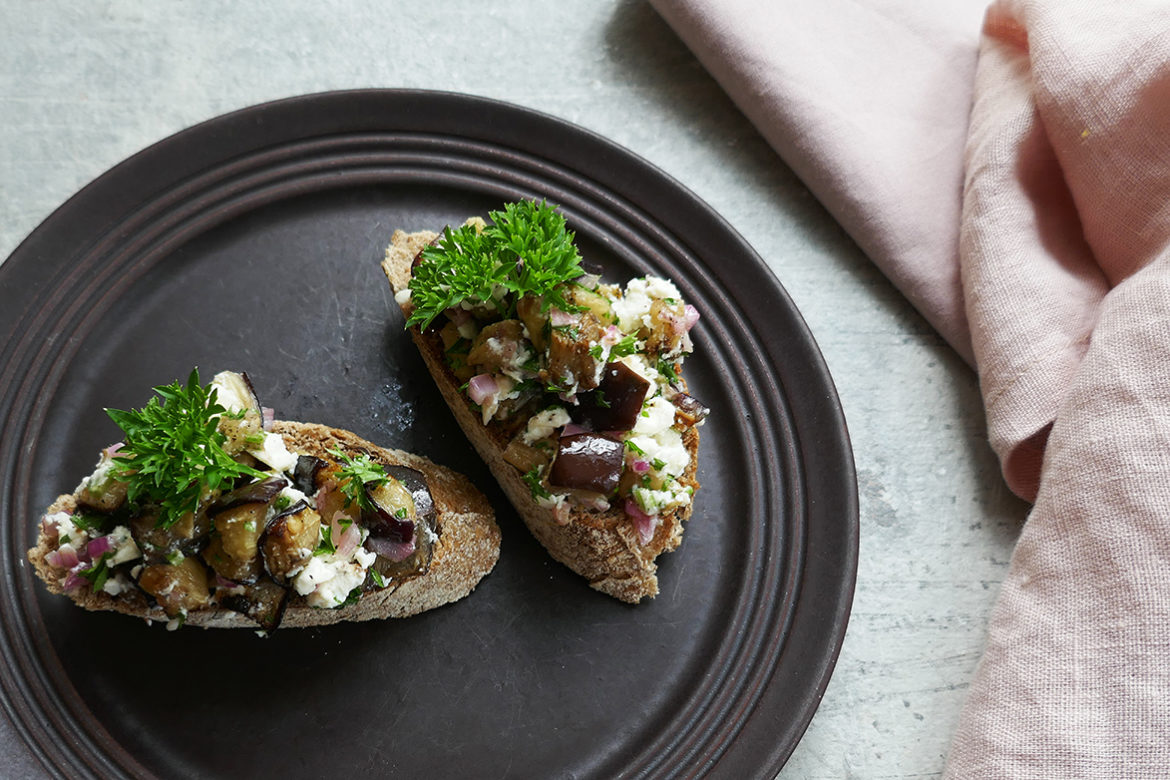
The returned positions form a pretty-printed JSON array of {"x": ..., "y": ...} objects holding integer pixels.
[
  {"x": 526, "y": 251},
  {"x": 355, "y": 473},
  {"x": 173, "y": 450}
]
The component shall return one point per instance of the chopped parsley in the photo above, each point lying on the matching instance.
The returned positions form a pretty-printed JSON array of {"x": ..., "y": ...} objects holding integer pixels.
[
  {"x": 326, "y": 547},
  {"x": 98, "y": 573},
  {"x": 173, "y": 450},
  {"x": 667, "y": 369},
  {"x": 627, "y": 346},
  {"x": 532, "y": 478},
  {"x": 526, "y": 251},
  {"x": 355, "y": 474}
]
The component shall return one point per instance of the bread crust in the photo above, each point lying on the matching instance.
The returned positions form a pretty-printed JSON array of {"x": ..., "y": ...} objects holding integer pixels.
[
  {"x": 466, "y": 551},
  {"x": 603, "y": 547}
]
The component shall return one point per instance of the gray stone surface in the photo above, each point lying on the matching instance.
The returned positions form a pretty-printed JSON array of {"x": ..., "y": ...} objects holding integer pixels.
[{"x": 84, "y": 85}]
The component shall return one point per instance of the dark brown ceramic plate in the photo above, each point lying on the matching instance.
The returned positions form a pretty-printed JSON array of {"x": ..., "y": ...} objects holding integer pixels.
[{"x": 252, "y": 242}]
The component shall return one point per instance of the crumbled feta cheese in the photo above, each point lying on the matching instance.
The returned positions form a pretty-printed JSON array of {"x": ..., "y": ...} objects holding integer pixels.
[
  {"x": 227, "y": 394},
  {"x": 639, "y": 365},
  {"x": 67, "y": 530},
  {"x": 117, "y": 584},
  {"x": 657, "y": 415},
  {"x": 402, "y": 297},
  {"x": 326, "y": 581},
  {"x": 543, "y": 424},
  {"x": 274, "y": 453},
  {"x": 97, "y": 481},
  {"x": 633, "y": 308},
  {"x": 122, "y": 546},
  {"x": 654, "y": 502}
]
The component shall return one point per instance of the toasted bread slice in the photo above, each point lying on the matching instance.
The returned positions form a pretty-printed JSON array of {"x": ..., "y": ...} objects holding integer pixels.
[
  {"x": 601, "y": 546},
  {"x": 467, "y": 548}
]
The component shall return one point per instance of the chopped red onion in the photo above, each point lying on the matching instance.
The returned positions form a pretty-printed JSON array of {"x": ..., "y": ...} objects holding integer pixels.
[
  {"x": 394, "y": 551},
  {"x": 224, "y": 582},
  {"x": 348, "y": 541},
  {"x": 99, "y": 547},
  {"x": 560, "y": 318},
  {"x": 112, "y": 450},
  {"x": 611, "y": 335},
  {"x": 64, "y": 558},
  {"x": 481, "y": 386},
  {"x": 640, "y": 466},
  {"x": 268, "y": 417},
  {"x": 49, "y": 530},
  {"x": 644, "y": 524},
  {"x": 74, "y": 580},
  {"x": 690, "y": 316}
]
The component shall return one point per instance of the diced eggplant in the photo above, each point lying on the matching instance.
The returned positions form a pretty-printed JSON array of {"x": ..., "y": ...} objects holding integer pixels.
[
  {"x": 229, "y": 567},
  {"x": 393, "y": 512},
  {"x": 523, "y": 456},
  {"x": 529, "y": 310},
  {"x": 157, "y": 543},
  {"x": 253, "y": 493},
  {"x": 234, "y": 391},
  {"x": 497, "y": 348},
  {"x": 177, "y": 588},
  {"x": 289, "y": 541},
  {"x": 571, "y": 363},
  {"x": 239, "y": 529},
  {"x": 616, "y": 403},
  {"x": 401, "y": 553},
  {"x": 688, "y": 410},
  {"x": 263, "y": 602},
  {"x": 588, "y": 461},
  {"x": 305, "y": 473}
]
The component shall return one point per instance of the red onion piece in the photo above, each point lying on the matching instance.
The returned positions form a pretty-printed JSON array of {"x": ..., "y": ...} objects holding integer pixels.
[
  {"x": 611, "y": 335},
  {"x": 224, "y": 582},
  {"x": 640, "y": 466},
  {"x": 560, "y": 318},
  {"x": 98, "y": 547},
  {"x": 49, "y": 530},
  {"x": 644, "y": 524},
  {"x": 481, "y": 386},
  {"x": 348, "y": 541},
  {"x": 65, "y": 558},
  {"x": 690, "y": 316},
  {"x": 268, "y": 417},
  {"x": 112, "y": 450},
  {"x": 395, "y": 551},
  {"x": 74, "y": 580}
]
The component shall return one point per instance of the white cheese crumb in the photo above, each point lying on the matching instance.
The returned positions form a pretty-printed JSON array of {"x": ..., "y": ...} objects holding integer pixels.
[
  {"x": 543, "y": 424},
  {"x": 274, "y": 453}
]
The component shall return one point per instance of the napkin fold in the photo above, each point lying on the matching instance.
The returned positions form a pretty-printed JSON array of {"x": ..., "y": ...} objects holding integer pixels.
[{"x": 1030, "y": 193}]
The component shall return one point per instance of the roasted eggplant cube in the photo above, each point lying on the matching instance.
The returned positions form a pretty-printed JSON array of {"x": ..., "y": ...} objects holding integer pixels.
[
  {"x": 239, "y": 529},
  {"x": 263, "y": 602},
  {"x": 305, "y": 473},
  {"x": 178, "y": 588},
  {"x": 289, "y": 541},
  {"x": 617, "y": 401},
  {"x": 228, "y": 567},
  {"x": 688, "y": 410},
  {"x": 588, "y": 461}
]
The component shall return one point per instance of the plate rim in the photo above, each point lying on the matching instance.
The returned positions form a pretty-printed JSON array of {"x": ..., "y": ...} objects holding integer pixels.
[{"x": 647, "y": 187}]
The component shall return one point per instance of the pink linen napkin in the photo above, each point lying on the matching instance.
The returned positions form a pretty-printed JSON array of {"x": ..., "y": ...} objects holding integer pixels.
[
  {"x": 867, "y": 102},
  {"x": 1063, "y": 241}
]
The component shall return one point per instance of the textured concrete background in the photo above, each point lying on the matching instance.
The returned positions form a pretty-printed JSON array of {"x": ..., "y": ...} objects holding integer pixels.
[{"x": 84, "y": 85}]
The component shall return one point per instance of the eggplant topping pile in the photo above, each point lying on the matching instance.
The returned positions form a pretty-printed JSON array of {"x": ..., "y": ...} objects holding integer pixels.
[
  {"x": 202, "y": 507},
  {"x": 579, "y": 377}
]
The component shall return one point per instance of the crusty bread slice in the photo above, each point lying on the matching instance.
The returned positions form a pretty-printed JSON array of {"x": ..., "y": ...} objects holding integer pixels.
[
  {"x": 467, "y": 549},
  {"x": 603, "y": 547}
]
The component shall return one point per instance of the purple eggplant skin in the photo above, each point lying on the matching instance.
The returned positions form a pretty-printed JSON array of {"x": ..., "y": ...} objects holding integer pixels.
[
  {"x": 402, "y": 531},
  {"x": 688, "y": 409},
  {"x": 253, "y": 493},
  {"x": 263, "y": 602},
  {"x": 305, "y": 473},
  {"x": 588, "y": 461},
  {"x": 616, "y": 403}
]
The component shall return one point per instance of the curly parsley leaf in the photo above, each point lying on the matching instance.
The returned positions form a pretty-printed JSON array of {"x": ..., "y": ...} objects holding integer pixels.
[
  {"x": 355, "y": 474},
  {"x": 173, "y": 450},
  {"x": 527, "y": 250}
]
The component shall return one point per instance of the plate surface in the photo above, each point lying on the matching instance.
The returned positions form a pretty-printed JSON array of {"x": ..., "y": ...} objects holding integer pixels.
[{"x": 252, "y": 242}]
